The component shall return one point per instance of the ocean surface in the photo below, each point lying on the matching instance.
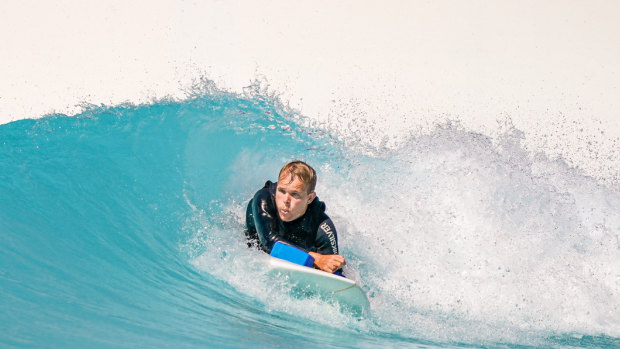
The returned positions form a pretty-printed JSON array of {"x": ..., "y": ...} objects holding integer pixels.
[{"x": 121, "y": 227}]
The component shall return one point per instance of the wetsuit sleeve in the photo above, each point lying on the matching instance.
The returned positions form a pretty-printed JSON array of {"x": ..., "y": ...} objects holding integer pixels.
[
  {"x": 264, "y": 214},
  {"x": 326, "y": 238}
]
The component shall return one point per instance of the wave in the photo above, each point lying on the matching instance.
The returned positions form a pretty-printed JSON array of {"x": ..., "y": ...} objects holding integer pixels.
[{"x": 127, "y": 220}]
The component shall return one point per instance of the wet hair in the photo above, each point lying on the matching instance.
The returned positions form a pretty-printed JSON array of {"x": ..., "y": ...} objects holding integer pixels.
[{"x": 302, "y": 171}]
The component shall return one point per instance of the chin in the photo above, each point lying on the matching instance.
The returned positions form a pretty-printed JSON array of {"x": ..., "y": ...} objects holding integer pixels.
[{"x": 288, "y": 218}]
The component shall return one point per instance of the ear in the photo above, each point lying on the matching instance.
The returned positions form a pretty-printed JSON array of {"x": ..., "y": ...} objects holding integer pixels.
[{"x": 311, "y": 197}]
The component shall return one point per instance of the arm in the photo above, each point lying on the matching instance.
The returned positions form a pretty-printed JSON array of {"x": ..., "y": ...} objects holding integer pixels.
[
  {"x": 265, "y": 220},
  {"x": 327, "y": 258}
]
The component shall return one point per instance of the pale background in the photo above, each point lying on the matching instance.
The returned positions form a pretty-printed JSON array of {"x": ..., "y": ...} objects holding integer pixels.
[{"x": 552, "y": 67}]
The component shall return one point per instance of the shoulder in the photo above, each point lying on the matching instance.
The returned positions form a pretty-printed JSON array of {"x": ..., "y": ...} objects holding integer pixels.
[
  {"x": 264, "y": 199},
  {"x": 316, "y": 210},
  {"x": 315, "y": 214},
  {"x": 317, "y": 207},
  {"x": 268, "y": 190}
]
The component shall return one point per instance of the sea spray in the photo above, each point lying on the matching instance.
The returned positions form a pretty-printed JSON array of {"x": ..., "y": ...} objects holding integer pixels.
[{"x": 456, "y": 225}]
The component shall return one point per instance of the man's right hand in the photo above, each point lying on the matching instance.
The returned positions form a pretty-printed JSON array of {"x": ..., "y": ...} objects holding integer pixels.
[{"x": 328, "y": 262}]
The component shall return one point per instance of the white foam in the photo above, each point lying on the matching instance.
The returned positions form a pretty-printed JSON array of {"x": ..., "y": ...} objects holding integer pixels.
[{"x": 451, "y": 227}]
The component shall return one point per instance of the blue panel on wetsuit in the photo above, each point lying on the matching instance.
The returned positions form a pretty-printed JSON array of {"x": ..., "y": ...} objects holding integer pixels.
[{"x": 291, "y": 254}]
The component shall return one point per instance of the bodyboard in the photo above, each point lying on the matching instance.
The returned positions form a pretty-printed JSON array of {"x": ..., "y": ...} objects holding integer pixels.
[{"x": 328, "y": 286}]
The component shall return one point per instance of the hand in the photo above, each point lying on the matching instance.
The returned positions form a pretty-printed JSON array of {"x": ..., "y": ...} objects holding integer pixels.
[{"x": 328, "y": 262}]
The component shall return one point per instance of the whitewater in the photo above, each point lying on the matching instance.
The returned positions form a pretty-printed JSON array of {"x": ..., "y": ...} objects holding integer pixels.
[{"x": 477, "y": 205}]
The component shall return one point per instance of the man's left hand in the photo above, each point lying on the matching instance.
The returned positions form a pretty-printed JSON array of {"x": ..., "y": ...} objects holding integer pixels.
[{"x": 328, "y": 262}]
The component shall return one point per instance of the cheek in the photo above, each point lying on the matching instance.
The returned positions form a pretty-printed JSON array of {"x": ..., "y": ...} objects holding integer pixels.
[{"x": 296, "y": 203}]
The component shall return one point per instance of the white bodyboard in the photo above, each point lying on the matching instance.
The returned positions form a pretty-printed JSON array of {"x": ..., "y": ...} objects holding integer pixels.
[{"x": 345, "y": 291}]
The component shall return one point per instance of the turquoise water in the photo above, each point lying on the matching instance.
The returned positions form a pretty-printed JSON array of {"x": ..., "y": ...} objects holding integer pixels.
[{"x": 121, "y": 227}]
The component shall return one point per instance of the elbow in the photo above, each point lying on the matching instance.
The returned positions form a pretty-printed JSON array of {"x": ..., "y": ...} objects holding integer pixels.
[{"x": 266, "y": 243}]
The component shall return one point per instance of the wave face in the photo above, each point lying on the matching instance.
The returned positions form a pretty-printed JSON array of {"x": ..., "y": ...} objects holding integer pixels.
[{"x": 122, "y": 227}]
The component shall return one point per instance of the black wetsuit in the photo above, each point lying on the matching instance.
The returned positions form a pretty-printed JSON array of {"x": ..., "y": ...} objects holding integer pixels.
[{"x": 312, "y": 232}]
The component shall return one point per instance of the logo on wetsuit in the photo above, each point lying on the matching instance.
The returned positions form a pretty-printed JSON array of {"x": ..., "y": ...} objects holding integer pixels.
[{"x": 332, "y": 239}]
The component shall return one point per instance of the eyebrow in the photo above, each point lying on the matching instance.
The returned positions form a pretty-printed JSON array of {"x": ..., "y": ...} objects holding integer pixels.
[{"x": 293, "y": 191}]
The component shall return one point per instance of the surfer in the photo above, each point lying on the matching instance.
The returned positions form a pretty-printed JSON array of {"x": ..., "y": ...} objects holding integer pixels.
[{"x": 290, "y": 212}]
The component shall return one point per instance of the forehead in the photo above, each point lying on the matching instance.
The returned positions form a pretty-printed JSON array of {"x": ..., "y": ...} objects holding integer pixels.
[{"x": 289, "y": 182}]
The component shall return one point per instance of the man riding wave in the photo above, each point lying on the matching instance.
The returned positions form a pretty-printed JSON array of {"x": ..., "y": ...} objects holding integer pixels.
[{"x": 290, "y": 212}]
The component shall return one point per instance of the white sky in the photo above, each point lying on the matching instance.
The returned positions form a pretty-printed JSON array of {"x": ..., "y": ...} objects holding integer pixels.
[{"x": 545, "y": 64}]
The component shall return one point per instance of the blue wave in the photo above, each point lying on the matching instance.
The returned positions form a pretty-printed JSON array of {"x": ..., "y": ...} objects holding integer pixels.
[{"x": 121, "y": 227}]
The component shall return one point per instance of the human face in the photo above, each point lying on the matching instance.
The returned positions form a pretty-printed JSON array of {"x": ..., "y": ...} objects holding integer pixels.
[{"x": 292, "y": 200}]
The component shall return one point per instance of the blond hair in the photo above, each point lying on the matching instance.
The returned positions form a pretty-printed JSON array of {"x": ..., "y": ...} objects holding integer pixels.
[{"x": 300, "y": 170}]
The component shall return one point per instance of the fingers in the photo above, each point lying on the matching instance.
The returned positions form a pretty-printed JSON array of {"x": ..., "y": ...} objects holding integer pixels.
[
  {"x": 340, "y": 260},
  {"x": 336, "y": 262},
  {"x": 330, "y": 263}
]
